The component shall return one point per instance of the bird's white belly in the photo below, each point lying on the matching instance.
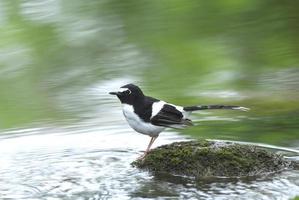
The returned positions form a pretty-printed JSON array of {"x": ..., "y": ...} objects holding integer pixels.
[{"x": 138, "y": 124}]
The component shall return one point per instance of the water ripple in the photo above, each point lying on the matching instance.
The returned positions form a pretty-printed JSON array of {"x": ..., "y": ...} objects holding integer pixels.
[{"x": 85, "y": 161}]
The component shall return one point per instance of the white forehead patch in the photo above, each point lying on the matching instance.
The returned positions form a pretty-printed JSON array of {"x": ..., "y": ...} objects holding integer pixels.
[{"x": 124, "y": 89}]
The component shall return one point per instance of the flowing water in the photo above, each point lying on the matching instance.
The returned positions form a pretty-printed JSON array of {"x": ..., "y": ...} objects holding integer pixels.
[
  {"x": 87, "y": 161},
  {"x": 63, "y": 137},
  {"x": 90, "y": 159}
]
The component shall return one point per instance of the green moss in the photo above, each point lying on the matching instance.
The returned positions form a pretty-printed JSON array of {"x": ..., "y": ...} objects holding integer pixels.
[{"x": 205, "y": 158}]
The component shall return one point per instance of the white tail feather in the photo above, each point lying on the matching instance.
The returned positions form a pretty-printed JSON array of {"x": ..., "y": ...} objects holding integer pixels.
[{"x": 241, "y": 108}]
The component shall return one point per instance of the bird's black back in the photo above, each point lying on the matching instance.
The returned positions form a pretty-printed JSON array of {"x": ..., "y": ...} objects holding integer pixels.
[{"x": 144, "y": 109}]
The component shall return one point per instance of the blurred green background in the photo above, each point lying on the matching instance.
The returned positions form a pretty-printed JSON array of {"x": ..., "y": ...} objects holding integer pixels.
[{"x": 242, "y": 52}]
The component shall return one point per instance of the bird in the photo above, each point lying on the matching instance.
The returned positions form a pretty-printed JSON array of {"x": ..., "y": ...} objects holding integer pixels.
[{"x": 151, "y": 116}]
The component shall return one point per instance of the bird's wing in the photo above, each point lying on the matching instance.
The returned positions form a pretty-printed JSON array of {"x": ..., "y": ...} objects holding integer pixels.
[{"x": 169, "y": 116}]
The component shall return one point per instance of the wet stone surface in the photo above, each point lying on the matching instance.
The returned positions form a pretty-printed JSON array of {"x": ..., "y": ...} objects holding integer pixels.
[{"x": 203, "y": 158}]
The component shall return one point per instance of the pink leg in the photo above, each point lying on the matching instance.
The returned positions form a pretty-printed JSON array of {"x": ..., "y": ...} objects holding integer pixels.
[
  {"x": 150, "y": 144},
  {"x": 148, "y": 147}
]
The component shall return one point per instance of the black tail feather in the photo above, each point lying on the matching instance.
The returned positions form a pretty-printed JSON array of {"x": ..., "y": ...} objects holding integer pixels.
[{"x": 207, "y": 107}]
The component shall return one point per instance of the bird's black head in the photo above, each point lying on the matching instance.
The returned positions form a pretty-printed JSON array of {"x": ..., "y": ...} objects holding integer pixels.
[{"x": 129, "y": 94}]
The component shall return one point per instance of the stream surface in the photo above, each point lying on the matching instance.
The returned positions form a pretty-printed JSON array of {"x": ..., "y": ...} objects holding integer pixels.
[
  {"x": 87, "y": 161},
  {"x": 63, "y": 137}
]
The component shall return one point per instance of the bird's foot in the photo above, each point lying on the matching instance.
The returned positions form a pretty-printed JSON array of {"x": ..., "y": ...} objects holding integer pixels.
[{"x": 142, "y": 156}]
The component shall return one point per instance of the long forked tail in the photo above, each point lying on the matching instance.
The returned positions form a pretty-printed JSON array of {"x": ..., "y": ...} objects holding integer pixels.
[{"x": 207, "y": 107}]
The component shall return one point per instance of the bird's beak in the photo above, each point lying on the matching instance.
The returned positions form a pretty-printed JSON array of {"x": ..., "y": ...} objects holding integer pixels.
[{"x": 114, "y": 93}]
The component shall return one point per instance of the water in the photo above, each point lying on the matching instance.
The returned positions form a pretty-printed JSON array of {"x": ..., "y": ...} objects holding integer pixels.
[
  {"x": 63, "y": 137},
  {"x": 87, "y": 161},
  {"x": 90, "y": 159}
]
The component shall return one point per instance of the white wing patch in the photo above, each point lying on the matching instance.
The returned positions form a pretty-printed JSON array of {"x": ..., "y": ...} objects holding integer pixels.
[{"x": 157, "y": 106}]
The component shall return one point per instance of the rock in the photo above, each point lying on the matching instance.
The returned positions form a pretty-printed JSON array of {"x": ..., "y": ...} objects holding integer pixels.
[{"x": 208, "y": 158}]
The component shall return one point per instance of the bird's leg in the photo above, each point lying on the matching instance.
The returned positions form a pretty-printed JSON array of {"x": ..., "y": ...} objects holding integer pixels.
[
  {"x": 150, "y": 144},
  {"x": 148, "y": 147}
]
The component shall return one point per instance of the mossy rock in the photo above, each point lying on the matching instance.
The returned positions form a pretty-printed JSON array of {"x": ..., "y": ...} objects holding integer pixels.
[{"x": 208, "y": 158}]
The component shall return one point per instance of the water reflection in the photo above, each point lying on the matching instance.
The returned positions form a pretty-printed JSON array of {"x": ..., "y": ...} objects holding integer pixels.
[
  {"x": 58, "y": 60},
  {"x": 56, "y": 54},
  {"x": 72, "y": 162},
  {"x": 41, "y": 11},
  {"x": 90, "y": 161}
]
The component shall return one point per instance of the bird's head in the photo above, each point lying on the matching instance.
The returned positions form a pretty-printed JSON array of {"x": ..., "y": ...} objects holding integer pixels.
[{"x": 129, "y": 94}]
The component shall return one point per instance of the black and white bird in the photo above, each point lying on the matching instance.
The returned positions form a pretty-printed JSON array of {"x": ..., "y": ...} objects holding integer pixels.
[{"x": 151, "y": 116}]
